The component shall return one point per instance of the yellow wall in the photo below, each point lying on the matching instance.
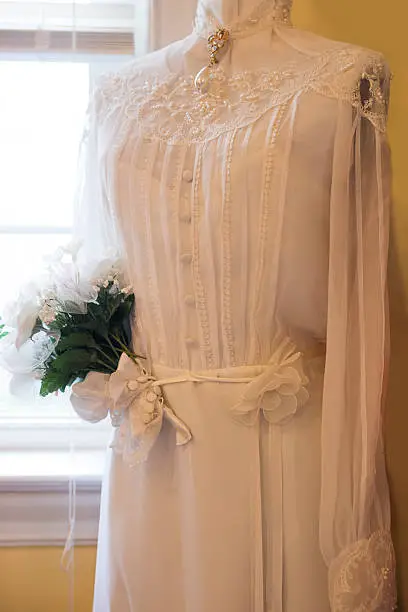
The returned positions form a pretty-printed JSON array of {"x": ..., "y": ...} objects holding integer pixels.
[
  {"x": 31, "y": 579},
  {"x": 382, "y": 25}
]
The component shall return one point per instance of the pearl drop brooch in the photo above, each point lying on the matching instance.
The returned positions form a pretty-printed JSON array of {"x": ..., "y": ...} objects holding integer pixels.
[{"x": 217, "y": 44}]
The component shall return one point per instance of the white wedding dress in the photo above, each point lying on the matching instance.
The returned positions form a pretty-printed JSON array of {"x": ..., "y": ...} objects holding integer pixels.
[{"x": 247, "y": 472}]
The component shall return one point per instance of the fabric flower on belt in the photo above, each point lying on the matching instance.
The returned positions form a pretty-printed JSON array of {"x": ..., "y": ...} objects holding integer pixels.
[{"x": 279, "y": 391}]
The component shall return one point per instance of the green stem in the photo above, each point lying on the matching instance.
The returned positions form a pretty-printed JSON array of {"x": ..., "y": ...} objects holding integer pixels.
[
  {"x": 121, "y": 344},
  {"x": 113, "y": 362},
  {"x": 114, "y": 349},
  {"x": 126, "y": 350},
  {"x": 105, "y": 365}
]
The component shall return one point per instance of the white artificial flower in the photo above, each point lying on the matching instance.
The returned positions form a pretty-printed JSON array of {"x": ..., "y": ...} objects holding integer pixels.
[
  {"x": 29, "y": 356},
  {"x": 22, "y": 314},
  {"x": 72, "y": 288}
]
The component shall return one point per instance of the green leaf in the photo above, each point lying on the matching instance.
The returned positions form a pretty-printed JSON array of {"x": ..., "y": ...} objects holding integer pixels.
[
  {"x": 73, "y": 360},
  {"x": 86, "y": 339},
  {"x": 82, "y": 339},
  {"x": 3, "y": 333},
  {"x": 53, "y": 381},
  {"x": 97, "y": 312},
  {"x": 61, "y": 320},
  {"x": 91, "y": 326}
]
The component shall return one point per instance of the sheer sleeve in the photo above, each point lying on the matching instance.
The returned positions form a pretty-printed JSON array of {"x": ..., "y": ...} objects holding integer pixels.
[
  {"x": 355, "y": 513},
  {"x": 95, "y": 225}
]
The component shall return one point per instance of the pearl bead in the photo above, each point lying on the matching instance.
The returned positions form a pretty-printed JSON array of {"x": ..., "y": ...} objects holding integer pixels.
[{"x": 202, "y": 80}]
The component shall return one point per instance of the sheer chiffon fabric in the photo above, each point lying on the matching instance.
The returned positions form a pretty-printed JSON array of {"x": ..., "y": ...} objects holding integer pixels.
[
  {"x": 257, "y": 210},
  {"x": 229, "y": 521}
]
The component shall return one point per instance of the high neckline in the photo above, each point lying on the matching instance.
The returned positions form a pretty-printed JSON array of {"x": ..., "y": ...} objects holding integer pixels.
[{"x": 240, "y": 17}]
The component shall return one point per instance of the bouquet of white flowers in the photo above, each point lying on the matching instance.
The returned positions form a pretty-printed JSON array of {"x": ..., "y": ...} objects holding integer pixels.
[
  {"x": 69, "y": 324},
  {"x": 73, "y": 330}
]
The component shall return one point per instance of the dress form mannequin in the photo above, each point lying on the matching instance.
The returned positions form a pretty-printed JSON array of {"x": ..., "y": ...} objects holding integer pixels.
[
  {"x": 253, "y": 221},
  {"x": 249, "y": 50},
  {"x": 225, "y": 12}
]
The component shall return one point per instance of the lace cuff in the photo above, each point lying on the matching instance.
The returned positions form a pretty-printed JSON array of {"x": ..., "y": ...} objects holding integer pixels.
[{"x": 362, "y": 577}]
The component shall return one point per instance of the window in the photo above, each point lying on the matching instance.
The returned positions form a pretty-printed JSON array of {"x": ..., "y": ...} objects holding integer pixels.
[
  {"x": 104, "y": 27},
  {"x": 40, "y": 128},
  {"x": 50, "y": 55},
  {"x": 41, "y": 121}
]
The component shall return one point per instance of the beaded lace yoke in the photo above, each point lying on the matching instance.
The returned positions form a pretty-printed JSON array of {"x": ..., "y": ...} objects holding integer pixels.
[{"x": 165, "y": 104}]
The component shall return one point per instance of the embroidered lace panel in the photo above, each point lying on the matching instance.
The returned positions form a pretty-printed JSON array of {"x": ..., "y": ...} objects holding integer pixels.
[
  {"x": 362, "y": 578},
  {"x": 171, "y": 109}
]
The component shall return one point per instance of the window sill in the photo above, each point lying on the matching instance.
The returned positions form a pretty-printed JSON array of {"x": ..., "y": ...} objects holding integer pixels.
[{"x": 34, "y": 496}]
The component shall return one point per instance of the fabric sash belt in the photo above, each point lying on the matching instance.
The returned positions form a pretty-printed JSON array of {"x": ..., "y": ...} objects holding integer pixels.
[{"x": 133, "y": 397}]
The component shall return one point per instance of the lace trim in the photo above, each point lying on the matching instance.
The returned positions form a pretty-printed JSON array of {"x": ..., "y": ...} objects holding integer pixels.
[
  {"x": 200, "y": 293},
  {"x": 264, "y": 16},
  {"x": 172, "y": 110},
  {"x": 226, "y": 281},
  {"x": 362, "y": 577},
  {"x": 370, "y": 94}
]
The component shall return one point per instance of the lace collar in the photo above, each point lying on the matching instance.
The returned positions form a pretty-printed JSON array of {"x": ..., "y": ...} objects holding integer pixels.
[{"x": 264, "y": 16}]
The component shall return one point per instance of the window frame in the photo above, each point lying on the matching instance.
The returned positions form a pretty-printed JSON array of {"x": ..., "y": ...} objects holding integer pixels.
[
  {"x": 49, "y": 27},
  {"x": 34, "y": 500}
]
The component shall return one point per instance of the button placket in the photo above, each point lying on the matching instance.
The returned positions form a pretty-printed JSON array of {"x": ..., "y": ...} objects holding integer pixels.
[
  {"x": 189, "y": 299},
  {"x": 187, "y": 176},
  {"x": 186, "y": 258}
]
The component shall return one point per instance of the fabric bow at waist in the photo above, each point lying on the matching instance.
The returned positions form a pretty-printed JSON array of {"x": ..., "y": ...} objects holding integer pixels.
[{"x": 133, "y": 398}]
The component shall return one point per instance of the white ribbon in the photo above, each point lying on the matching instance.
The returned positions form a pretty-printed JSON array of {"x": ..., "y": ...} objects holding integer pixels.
[
  {"x": 137, "y": 398},
  {"x": 134, "y": 399}
]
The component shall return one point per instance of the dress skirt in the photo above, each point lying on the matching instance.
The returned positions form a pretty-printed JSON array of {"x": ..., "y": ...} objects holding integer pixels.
[{"x": 225, "y": 523}]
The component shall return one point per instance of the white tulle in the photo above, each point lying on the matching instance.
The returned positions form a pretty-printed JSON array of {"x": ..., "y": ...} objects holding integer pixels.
[{"x": 277, "y": 191}]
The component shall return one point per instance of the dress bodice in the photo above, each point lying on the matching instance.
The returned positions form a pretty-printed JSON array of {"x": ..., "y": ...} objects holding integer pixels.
[{"x": 222, "y": 199}]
